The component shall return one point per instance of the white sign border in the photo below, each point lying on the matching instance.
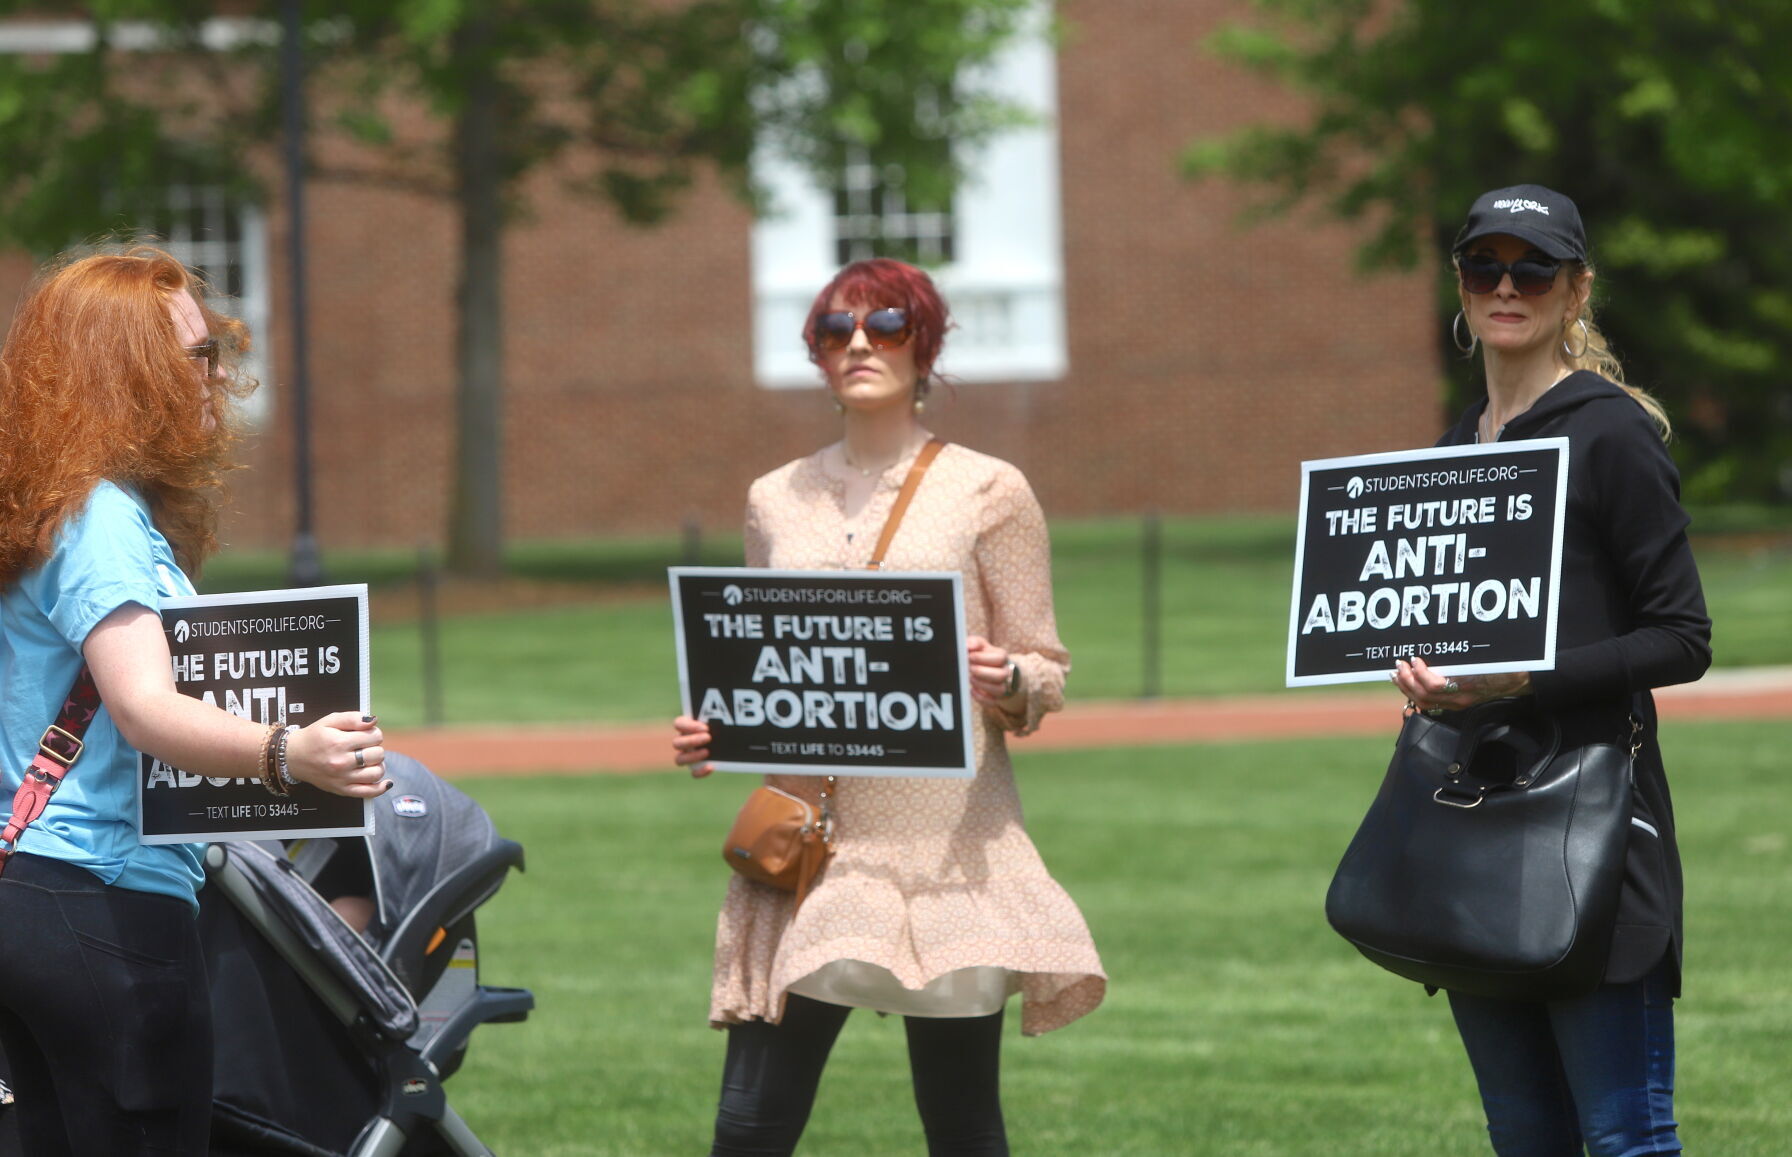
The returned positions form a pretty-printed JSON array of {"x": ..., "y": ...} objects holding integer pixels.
[
  {"x": 356, "y": 591},
  {"x": 969, "y": 771},
  {"x": 1552, "y": 601}
]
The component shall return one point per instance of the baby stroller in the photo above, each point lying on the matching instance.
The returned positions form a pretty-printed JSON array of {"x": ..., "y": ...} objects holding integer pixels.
[{"x": 333, "y": 1043}]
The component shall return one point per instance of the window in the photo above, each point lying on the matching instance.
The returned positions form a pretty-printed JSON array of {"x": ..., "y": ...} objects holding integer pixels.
[
  {"x": 873, "y": 218},
  {"x": 995, "y": 251}
]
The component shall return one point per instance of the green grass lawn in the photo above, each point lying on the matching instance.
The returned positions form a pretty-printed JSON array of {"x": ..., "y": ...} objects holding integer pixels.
[
  {"x": 1224, "y": 618},
  {"x": 1236, "y": 1023}
]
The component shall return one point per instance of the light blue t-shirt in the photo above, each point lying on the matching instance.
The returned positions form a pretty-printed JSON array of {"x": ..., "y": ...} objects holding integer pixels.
[{"x": 107, "y": 555}]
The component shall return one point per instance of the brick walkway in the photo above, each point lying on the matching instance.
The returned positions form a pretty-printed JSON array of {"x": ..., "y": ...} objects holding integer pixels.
[{"x": 1760, "y": 693}]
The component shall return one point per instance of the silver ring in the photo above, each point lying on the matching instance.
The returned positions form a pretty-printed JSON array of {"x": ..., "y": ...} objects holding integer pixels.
[
  {"x": 1451, "y": 687},
  {"x": 360, "y": 761}
]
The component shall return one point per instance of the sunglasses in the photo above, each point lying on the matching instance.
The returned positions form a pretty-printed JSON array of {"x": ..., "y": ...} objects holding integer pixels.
[
  {"x": 1531, "y": 276},
  {"x": 208, "y": 351},
  {"x": 885, "y": 329}
]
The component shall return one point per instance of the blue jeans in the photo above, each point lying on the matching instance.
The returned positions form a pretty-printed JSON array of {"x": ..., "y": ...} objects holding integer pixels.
[{"x": 1596, "y": 1071}]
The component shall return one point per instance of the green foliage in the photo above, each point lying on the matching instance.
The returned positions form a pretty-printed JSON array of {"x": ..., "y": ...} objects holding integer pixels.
[
  {"x": 1666, "y": 123},
  {"x": 80, "y": 156},
  {"x": 657, "y": 90}
]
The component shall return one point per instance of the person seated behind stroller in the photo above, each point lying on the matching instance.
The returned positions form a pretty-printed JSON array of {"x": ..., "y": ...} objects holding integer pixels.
[{"x": 346, "y": 881}]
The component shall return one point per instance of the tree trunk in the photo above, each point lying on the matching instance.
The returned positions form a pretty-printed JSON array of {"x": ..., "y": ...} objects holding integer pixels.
[{"x": 475, "y": 531}]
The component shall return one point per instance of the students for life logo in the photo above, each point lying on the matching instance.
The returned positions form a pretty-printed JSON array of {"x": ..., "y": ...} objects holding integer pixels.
[
  {"x": 731, "y": 595},
  {"x": 181, "y": 631},
  {"x": 1354, "y": 487}
]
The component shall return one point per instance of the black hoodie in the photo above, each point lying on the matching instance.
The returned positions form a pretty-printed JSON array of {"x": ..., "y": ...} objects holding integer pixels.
[{"x": 1632, "y": 618}]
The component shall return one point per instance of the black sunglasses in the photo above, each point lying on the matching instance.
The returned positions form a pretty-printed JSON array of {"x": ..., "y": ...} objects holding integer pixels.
[
  {"x": 1531, "y": 276},
  {"x": 208, "y": 351},
  {"x": 885, "y": 329}
]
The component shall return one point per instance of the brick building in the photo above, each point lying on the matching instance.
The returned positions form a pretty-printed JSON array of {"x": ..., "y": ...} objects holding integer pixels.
[{"x": 1125, "y": 341}]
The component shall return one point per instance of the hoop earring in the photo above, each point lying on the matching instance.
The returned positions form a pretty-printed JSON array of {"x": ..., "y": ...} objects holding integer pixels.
[
  {"x": 1586, "y": 339},
  {"x": 1456, "y": 328}
]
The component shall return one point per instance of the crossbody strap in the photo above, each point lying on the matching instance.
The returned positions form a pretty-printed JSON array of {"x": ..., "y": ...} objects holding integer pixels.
[
  {"x": 912, "y": 483},
  {"x": 57, "y": 751}
]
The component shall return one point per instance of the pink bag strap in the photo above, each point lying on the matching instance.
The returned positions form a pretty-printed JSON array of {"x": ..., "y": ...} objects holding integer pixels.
[{"x": 57, "y": 751}]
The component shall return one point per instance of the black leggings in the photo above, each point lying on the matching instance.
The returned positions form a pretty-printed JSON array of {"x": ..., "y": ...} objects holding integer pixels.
[
  {"x": 770, "y": 1077},
  {"x": 104, "y": 1015}
]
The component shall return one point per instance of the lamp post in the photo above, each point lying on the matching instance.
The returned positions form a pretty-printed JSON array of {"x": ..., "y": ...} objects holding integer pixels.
[{"x": 307, "y": 563}]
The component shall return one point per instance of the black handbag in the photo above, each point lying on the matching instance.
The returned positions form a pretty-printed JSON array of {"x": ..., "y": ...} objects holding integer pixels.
[{"x": 1492, "y": 858}]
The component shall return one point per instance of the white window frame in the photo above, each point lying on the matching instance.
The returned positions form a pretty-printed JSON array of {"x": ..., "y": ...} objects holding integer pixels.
[
  {"x": 870, "y": 200},
  {"x": 51, "y": 37},
  {"x": 1005, "y": 285}
]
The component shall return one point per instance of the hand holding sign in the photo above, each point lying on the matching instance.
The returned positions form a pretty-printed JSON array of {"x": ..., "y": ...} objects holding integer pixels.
[
  {"x": 690, "y": 748},
  {"x": 1429, "y": 691},
  {"x": 341, "y": 754},
  {"x": 991, "y": 669}
]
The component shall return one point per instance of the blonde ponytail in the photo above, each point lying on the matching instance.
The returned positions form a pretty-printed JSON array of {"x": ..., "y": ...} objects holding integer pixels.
[{"x": 1596, "y": 355}]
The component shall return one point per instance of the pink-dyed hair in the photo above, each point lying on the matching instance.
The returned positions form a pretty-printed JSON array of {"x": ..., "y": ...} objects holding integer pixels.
[{"x": 885, "y": 283}]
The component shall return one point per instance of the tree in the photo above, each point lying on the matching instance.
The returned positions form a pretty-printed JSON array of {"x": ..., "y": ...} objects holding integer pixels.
[
  {"x": 627, "y": 99},
  {"x": 1666, "y": 122}
]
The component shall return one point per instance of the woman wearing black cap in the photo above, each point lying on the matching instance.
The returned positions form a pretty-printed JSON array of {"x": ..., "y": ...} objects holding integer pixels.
[{"x": 1595, "y": 1071}]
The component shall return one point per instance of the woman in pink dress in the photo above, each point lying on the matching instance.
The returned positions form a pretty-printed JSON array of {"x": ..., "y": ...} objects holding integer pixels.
[{"x": 935, "y": 905}]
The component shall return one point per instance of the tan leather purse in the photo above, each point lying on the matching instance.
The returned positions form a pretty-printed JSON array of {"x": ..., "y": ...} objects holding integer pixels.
[{"x": 778, "y": 839}]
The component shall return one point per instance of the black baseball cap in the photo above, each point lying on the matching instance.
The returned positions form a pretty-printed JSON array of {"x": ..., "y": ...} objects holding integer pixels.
[{"x": 1541, "y": 216}]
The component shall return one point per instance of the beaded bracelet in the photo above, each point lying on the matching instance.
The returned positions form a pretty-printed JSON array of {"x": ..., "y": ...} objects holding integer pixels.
[
  {"x": 261, "y": 757},
  {"x": 270, "y": 774},
  {"x": 286, "y": 775}
]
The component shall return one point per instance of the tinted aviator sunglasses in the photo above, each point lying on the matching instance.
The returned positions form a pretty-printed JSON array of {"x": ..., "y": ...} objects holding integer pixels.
[
  {"x": 885, "y": 329},
  {"x": 1531, "y": 276}
]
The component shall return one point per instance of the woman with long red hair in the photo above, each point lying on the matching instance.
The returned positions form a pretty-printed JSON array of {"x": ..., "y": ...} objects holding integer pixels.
[
  {"x": 935, "y": 904},
  {"x": 116, "y": 394}
]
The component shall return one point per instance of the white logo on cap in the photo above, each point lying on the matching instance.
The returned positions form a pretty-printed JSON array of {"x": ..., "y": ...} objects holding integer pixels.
[{"x": 1521, "y": 205}]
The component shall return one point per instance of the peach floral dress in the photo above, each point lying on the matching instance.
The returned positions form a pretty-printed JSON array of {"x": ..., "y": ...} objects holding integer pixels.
[{"x": 930, "y": 876}]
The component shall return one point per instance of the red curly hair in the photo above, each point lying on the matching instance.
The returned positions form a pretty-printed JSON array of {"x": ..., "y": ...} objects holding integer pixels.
[
  {"x": 95, "y": 385},
  {"x": 885, "y": 283}
]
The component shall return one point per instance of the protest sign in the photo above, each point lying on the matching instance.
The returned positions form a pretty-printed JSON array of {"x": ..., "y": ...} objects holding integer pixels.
[
  {"x": 296, "y": 655},
  {"x": 1452, "y": 554},
  {"x": 826, "y": 672}
]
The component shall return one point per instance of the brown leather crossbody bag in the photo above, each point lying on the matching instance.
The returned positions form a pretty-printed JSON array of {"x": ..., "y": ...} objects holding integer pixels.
[{"x": 779, "y": 839}]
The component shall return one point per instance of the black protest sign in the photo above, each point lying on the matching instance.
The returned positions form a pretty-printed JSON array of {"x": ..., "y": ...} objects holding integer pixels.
[
  {"x": 825, "y": 672},
  {"x": 293, "y": 655},
  {"x": 1451, "y": 554}
]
